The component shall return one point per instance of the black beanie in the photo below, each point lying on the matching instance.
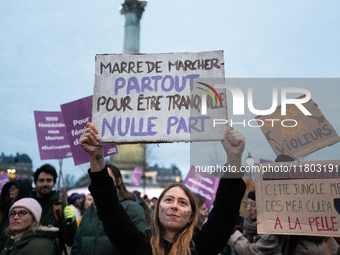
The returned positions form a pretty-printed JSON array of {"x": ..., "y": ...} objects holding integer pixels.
[
  {"x": 251, "y": 195},
  {"x": 284, "y": 158}
]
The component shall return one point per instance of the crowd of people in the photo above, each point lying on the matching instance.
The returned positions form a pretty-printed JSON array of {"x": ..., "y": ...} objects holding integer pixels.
[{"x": 112, "y": 220}]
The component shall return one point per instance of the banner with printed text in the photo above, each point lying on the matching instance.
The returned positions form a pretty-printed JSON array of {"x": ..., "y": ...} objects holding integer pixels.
[
  {"x": 298, "y": 198},
  {"x": 158, "y": 97},
  {"x": 204, "y": 184},
  {"x": 76, "y": 114},
  {"x": 52, "y": 138}
]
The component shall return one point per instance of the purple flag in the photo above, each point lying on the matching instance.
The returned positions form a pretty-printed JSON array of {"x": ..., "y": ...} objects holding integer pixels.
[
  {"x": 52, "y": 137},
  {"x": 137, "y": 174},
  {"x": 20, "y": 177},
  {"x": 76, "y": 114},
  {"x": 3, "y": 180},
  {"x": 204, "y": 184}
]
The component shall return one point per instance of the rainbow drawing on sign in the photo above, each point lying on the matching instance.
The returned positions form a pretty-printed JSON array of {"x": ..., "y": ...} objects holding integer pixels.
[{"x": 209, "y": 93}]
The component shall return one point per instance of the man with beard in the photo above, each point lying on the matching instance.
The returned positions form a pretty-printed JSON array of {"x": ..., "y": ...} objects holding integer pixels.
[{"x": 54, "y": 211}]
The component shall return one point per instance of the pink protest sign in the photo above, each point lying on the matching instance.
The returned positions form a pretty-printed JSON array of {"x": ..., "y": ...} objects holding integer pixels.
[
  {"x": 204, "y": 184},
  {"x": 52, "y": 137},
  {"x": 137, "y": 174},
  {"x": 76, "y": 114}
]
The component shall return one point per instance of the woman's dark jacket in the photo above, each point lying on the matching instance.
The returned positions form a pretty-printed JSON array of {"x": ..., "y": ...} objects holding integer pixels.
[
  {"x": 41, "y": 242},
  {"x": 91, "y": 239},
  {"x": 210, "y": 240}
]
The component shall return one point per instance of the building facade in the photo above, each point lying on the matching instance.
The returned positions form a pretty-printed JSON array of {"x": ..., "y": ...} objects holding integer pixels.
[{"x": 19, "y": 166}]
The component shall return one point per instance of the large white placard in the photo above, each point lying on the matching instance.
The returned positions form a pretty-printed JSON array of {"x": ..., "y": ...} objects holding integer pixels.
[{"x": 158, "y": 97}]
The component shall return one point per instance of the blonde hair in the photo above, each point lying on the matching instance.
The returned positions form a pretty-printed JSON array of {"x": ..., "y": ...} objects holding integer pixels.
[
  {"x": 183, "y": 241},
  {"x": 32, "y": 228}
]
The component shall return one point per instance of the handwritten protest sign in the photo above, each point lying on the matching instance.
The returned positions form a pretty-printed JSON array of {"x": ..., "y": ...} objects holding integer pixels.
[
  {"x": 52, "y": 137},
  {"x": 154, "y": 97},
  {"x": 137, "y": 174},
  {"x": 76, "y": 114},
  {"x": 204, "y": 184},
  {"x": 298, "y": 198},
  {"x": 250, "y": 186},
  {"x": 300, "y": 134}
]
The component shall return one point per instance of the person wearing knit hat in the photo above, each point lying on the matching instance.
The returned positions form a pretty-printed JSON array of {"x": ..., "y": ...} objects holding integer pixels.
[
  {"x": 25, "y": 234},
  {"x": 250, "y": 242},
  {"x": 55, "y": 212},
  {"x": 75, "y": 201},
  {"x": 31, "y": 205},
  {"x": 251, "y": 195}
]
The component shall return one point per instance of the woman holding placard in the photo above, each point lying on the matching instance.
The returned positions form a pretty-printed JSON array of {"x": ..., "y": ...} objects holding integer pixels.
[{"x": 172, "y": 231}]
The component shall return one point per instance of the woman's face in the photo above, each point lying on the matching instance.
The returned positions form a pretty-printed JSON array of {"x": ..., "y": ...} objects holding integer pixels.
[
  {"x": 203, "y": 212},
  {"x": 13, "y": 191},
  {"x": 88, "y": 201},
  {"x": 175, "y": 210},
  {"x": 20, "y": 223}
]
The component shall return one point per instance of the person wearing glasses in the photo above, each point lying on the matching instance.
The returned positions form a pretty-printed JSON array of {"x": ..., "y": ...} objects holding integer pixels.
[
  {"x": 250, "y": 242},
  {"x": 26, "y": 235}
]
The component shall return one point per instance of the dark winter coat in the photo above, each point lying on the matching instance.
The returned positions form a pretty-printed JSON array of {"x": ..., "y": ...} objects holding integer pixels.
[
  {"x": 41, "y": 242},
  {"x": 25, "y": 188},
  {"x": 91, "y": 239},
  {"x": 66, "y": 232},
  {"x": 210, "y": 240}
]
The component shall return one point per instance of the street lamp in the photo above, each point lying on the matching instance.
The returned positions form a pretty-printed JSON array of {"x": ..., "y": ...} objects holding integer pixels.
[
  {"x": 178, "y": 178},
  {"x": 250, "y": 161}
]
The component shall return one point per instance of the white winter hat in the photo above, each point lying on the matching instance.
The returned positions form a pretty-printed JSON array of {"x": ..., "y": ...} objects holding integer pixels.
[{"x": 30, "y": 204}]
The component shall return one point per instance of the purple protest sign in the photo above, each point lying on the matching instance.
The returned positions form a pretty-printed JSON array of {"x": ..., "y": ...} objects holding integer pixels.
[
  {"x": 3, "y": 180},
  {"x": 76, "y": 114},
  {"x": 137, "y": 174},
  {"x": 20, "y": 177},
  {"x": 52, "y": 137},
  {"x": 204, "y": 184}
]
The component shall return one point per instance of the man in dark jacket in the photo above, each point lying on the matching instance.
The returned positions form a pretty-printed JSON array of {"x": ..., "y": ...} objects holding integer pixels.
[
  {"x": 53, "y": 214},
  {"x": 91, "y": 238}
]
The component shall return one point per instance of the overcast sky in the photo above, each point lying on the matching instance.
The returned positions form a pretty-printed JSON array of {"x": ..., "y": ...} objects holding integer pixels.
[{"x": 48, "y": 48}]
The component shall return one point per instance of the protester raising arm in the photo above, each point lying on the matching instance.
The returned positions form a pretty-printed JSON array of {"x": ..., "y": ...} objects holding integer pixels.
[
  {"x": 217, "y": 230},
  {"x": 175, "y": 212},
  {"x": 117, "y": 224},
  {"x": 89, "y": 142}
]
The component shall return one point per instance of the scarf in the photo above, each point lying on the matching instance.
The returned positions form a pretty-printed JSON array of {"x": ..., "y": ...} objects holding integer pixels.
[{"x": 250, "y": 228}]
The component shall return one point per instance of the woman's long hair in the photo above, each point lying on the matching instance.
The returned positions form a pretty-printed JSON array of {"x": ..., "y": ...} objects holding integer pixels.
[
  {"x": 120, "y": 184},
  {"x": 183, "y": 242},
  {"x": 6, "y": 202}
]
